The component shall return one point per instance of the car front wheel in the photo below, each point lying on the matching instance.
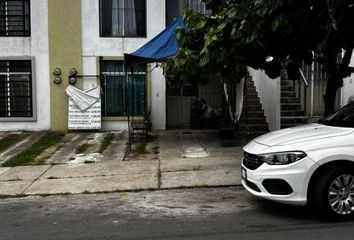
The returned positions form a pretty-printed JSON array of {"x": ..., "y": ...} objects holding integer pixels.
[{"x": 333, "y": 195}]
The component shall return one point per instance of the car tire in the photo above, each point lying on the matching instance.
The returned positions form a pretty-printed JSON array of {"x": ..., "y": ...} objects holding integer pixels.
[{"x": 332, "y": 195}]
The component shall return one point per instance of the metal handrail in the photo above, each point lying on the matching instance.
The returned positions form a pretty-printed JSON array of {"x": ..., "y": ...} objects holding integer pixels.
[{"x": 303, "y": 78}]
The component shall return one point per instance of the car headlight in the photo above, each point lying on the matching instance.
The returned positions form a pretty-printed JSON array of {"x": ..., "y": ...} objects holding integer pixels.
[{"x": 282, "y": 157}]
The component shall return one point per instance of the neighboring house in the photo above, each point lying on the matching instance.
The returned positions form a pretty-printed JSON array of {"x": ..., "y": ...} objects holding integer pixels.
[
  {"x": 44, "y": 42},
  {"x": 288, "y": 103},
  {"x": 38, "y": 38},
  {"x": 111, "y": 28},
  {"x": 24, "y": 69}
]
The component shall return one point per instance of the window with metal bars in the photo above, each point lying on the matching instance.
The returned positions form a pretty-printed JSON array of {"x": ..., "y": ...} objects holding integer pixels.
[
  {"x": 174, "y": 8},
  {"x": 16, "y": 89},
  {"x": 198, "y": 6},
  {"x": 121, "y": 96},
  {"x": 123, "y": 18},
  {"x": 15, "y": 18}
]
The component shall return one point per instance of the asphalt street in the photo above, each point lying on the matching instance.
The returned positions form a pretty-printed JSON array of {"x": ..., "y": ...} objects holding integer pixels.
[{"x": 204, "y": 213}]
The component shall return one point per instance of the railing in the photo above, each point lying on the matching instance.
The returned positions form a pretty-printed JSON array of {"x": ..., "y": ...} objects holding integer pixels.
[{"x": 311, "y": 88}]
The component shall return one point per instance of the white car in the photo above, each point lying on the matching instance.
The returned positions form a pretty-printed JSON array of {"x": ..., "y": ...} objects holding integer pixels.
[{"x": 310, "y": 164}]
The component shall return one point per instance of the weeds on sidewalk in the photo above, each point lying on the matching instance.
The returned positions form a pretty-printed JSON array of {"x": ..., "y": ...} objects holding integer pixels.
[
  {"x": 28, "y": 156},
  {"x": 10, "y": 140},
  {"x": 140, "y": 149},
  {"x": 82, "y": 148},
  {"x": 145, "y": 149},
  {"x": 106, "y": 142}
]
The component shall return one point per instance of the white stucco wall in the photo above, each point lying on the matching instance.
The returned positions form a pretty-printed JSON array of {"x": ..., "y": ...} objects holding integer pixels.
[
  {"x": 158, "y": 99},
  {"x": 269, "y": 93},
  {"x": 94, "y": 46},
  {"x": 348, "y": 86},
  {"x": 35, "y": 47}
]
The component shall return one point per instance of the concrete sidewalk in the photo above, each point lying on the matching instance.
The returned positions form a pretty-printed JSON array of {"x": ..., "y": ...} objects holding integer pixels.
[{"x": 186, "y": 159}]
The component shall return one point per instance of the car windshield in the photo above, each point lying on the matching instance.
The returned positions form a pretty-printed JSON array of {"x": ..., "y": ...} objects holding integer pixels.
[{"x": 344, "y": 117}]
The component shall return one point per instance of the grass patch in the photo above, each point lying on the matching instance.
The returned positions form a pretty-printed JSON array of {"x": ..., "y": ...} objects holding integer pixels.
[
  {"x": 10, "y": 140},
  {"x": 106, "y": 142},
  {"x": 29, "y": 155},
  {"x": 82, "y": 148},
  {"x": 140, "y": 149}
]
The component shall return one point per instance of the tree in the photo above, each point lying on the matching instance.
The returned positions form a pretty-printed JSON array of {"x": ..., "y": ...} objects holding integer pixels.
[{"x": 268, "y": 35}]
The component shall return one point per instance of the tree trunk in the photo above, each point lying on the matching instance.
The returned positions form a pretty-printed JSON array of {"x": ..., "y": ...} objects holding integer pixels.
[
  {"x": 331, "y": 93},
  {"x": 336, "y": 74}
]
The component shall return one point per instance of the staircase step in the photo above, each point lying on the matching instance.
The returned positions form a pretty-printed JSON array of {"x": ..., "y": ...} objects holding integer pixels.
[
  {"x": 252, "y": 108},
  {"x": 291, "y": 106},
  {"x": 287, "y": 82},
  {"x": 250, "y": 102},
  {"x": 289, "y": 100},
  {"x": 251, "y": 98},
  {"x": 251, "y": 88},
  {"x": 251, "y": 95},
  {"x": 252, "y": 114},
  {"x": 287, "y": 88},
  {"x": 291, "y": 113},
  {"x": 261, "y": 120},
  {"x": 288, "y": 94}
]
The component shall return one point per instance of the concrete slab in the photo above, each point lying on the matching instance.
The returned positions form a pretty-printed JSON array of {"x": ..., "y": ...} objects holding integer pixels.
[
  {"x": 13, "y": 188},
  {"x": 101, "y": 169},
  {"x": 202, "y": 178},
  {"x": 191, "y": 146},
  {"x": 4, "y": 169},
  {"x": 169, "y": 146},
  {"x": 190, "y": 164},
  {"x": 28, "y": 173},
  {"x": 21, "y": 146},
  {"x": 71, "y": 142},
  {"x": 226, "y": 152},
  {"x": 116, "y": 150},
  {"x": 94, "y": 184}
]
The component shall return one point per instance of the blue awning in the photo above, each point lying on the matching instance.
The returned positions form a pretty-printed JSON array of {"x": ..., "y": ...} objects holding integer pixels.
[{"x": 161, "y": 47}]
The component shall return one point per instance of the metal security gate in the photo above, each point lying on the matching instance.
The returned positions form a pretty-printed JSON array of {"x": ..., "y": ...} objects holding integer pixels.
[{"x": 188, "y": 105}]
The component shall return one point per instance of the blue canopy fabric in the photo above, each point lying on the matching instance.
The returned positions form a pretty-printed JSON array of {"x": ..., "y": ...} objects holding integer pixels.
[{"x": 161, "y": 47}]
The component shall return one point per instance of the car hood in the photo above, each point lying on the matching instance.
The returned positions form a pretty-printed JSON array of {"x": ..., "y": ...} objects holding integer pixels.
[{"x": 310, "y": 132}]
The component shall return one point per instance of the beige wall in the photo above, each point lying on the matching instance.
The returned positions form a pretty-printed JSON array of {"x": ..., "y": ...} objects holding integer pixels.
[{"x": 65, "y": 52}]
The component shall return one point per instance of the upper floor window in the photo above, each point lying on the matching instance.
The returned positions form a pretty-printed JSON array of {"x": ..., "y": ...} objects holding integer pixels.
[
  {"x": 198, "y": 6},
  {"x": 123, "y": 18},
  {"x": 174, "y": 8},
  {"x": 15, "y": 18}
]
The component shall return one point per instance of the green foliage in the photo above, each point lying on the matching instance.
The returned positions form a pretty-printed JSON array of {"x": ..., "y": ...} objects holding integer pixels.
[
  {"x": 140, "y": 149},
  {"x": 82, "y": 148},
  {"x": 11, "y": 140},
  {"x": 106, "y": 142},
  {"x": 244, "y": 33},
  {"x": 29, "y": 155}
]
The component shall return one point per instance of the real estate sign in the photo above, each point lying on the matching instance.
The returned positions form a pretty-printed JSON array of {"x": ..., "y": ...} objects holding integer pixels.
[{"x": 84, "y": 109}]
